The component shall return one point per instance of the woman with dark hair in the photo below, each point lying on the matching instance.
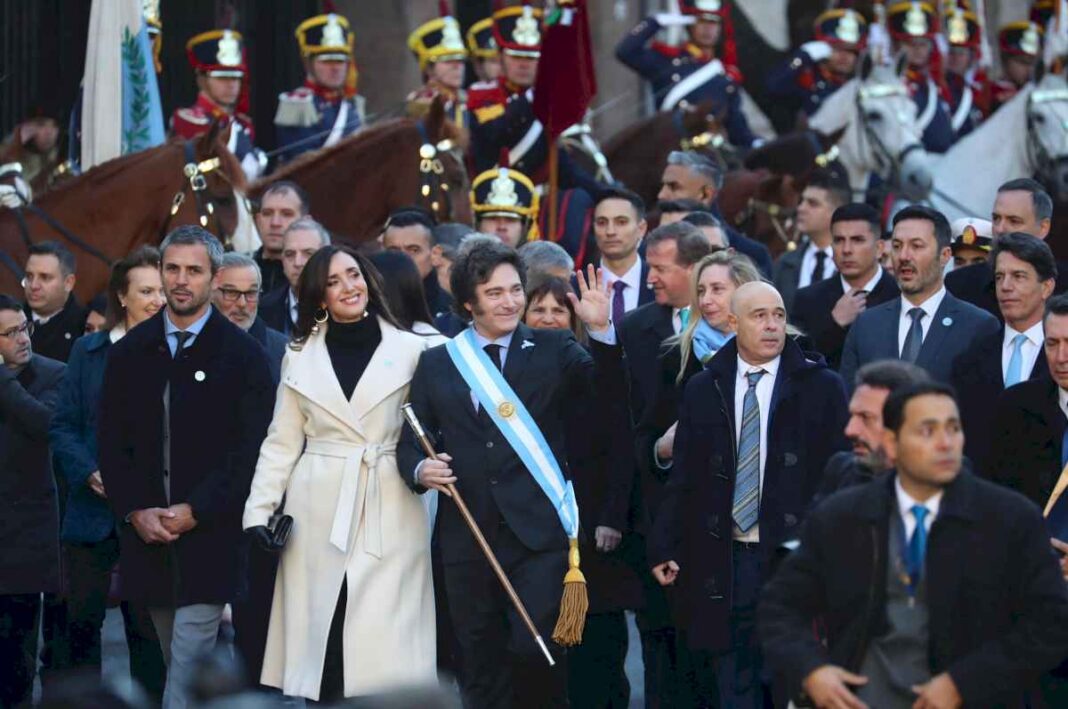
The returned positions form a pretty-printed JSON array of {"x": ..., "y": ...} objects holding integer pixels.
[
  {"x": 548, "y": 307},
  {"x": 353, "y": 610},
  {"x": 90, "y": 542},
  {"x": 404, "y": 292}
]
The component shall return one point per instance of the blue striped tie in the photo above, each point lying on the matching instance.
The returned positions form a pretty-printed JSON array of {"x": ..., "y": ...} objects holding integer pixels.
[{"x": 746, "y": 509}]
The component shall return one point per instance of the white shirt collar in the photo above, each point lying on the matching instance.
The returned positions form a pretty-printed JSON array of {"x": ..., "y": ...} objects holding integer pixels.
[
  {"x": 905, "y": 503},
  {"x": 1035, "y": 334},
  {"x": 929, "y": 306},
  {"x": 770, "y": 368},
  {"x": 867, "y": 287},
  {"x": 633, "y": 277},
  {"x": 504, "y": 341},
  {"x": 1062, "y": 399}
]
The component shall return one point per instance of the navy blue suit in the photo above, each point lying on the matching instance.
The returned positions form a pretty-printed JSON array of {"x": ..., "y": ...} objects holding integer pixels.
[
  {"x": 800, "y": 80},
  {"x": 955, "y": 327},
  {"x": 665, "y": 67}
]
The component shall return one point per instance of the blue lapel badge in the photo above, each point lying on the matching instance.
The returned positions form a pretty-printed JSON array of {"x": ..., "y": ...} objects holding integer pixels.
[{"x": 947, "y": 321}]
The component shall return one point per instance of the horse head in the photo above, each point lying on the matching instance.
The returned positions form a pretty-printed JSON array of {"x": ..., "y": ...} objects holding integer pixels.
[
  {"x": 702, "y": 128},
  {"x": 442, "y": 171},
  {"x": 882, "y": 134},
  {"x": 1047, "y": 133}
]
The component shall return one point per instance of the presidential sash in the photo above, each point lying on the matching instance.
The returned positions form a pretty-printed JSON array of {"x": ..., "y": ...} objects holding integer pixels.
[{"x": 511, "y": 417}]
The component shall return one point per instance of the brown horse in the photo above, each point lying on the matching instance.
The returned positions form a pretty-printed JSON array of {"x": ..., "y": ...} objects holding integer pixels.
[
  {"x": 122, "y": 204},
  {"x": 354, "y": 185}
]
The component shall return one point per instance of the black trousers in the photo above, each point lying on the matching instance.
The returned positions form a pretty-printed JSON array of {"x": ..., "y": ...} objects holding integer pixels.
[
  {"x": 501, "y": 665},
  {"x": 89, "y": 568},
  {"x": 332, "y": 683},
  {"x": 597, "y": 678},
  {"x": 669, "y": 673},
  {"x": 20, "y": 616}
]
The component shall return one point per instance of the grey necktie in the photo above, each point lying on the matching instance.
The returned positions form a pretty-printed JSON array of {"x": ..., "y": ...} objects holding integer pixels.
[
  {"x": 914, "y": 340},
  {"x": 181, "y": 336},
  {"x": 746, "y": 507}
]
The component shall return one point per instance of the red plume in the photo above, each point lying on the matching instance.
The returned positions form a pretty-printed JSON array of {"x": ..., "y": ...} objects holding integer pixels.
[
  {"x": 443, "y": 8},
  {"x": 498, "y": 5},
  {"x": 504, "y": 159},
  {"x": 730, "y": 49}
]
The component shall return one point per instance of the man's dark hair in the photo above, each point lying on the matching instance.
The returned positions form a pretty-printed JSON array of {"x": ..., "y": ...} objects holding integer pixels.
[
  {"x": 943, "y": 232},
  {"x": 1057, "y": 305},
  {"x": 832, "y": 182},
  {"x": 67, "y": 263},
  {"x": 625, "y": 195},
  {"x": 894, "y": 408},
  {"x": 1027, "y": 248},
  {"x": 474, "y": 265},
  {"x": 283, "y": 186},
  {"x": 700, "y": 219},
  {"x": 9, "y": 303},
  {"x": 192, "y": 235},
  {"x": 1040, "y": 199},
  {"x": 410, "y": 216},
  {"x": 890, "y": 374},
  {"x": 691, "y": 243},
  {"x": 859, "y": 212},
  {"x": 674, "y": 206}
]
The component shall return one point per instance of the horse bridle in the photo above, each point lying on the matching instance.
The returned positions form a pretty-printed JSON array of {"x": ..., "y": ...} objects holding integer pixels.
[
  {"x": 434, "y": 188},
  {"x": 196, "y": 183},
  {"x": 883, "y": 156},
  {"x": 1037, "y": 153}
]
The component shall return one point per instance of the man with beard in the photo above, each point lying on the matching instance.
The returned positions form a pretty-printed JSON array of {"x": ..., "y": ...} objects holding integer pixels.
[
  {"x": 874, "y": 384},
  {"x": 926, "y": 326},
  {"x": 186, "y": 400}
]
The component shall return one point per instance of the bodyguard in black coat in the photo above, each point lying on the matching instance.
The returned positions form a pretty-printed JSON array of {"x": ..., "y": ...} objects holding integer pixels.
[
  {"x": 274, "y": 344},
  {"x": 642, "y": 335},
  {"x": 275, "y": 311},
  {"x": 55, "y": 338}
]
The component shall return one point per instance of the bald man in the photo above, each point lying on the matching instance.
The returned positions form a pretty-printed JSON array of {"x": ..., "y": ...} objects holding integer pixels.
[{"x": 743, "y": 507}]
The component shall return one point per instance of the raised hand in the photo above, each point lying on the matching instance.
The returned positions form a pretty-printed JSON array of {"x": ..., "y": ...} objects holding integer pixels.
[{"x": 593, "y": 305}]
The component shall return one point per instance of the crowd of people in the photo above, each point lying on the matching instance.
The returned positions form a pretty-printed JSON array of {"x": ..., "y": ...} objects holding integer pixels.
[{"x": 834, "y": 479}]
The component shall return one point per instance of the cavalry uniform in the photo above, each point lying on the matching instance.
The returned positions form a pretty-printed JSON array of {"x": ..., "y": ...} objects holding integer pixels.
[
  {"x": 483, "y": 50},
  {"x": 910, "y": 21},
  {"x": 219, "y": 53},
  {"x": 805, "y": 77},
  {"x": 314, "y": 116},
  {"x": 690, "y": 73},
  {"x": 438, "y": 40},
  {"x": 1016, "y": 39},
  {"x": 967, "y": 91}
]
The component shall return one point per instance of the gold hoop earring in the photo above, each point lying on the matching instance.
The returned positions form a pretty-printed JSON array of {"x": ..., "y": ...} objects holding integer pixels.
[{"x": 321, "y": 316}]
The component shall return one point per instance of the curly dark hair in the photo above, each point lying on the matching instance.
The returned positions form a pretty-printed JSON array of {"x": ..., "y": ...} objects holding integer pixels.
[{"x": 474, "y": 265}]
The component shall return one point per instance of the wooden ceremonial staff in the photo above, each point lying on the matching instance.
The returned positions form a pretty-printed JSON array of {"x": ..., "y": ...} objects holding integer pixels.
[{"x": 417, "y": 428}]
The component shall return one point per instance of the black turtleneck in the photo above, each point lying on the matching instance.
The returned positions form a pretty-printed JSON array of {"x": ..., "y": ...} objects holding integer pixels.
[{"x": 351, "y": 346}]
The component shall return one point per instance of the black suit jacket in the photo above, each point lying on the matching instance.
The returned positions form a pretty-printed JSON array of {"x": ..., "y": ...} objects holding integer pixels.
[
  {"x": 812, "y": 312},
  {"x": 694, "y": 525},
  {"x": 56, "y": 337},
  {"x": 998, "y": 605},
  {"x": 1027, "y": 437},
  {"x": 978, "y": 380},
  {"x": 954, "y": 328},
  {"x": 975, "y": 285},
  {"x": 642, "y": 335},
  {"x": 551, "y": 375},
  {"x": 221, "y": 399},
  {"x": 274, "y": 343},
  {"x": 274, "y": 311},
  {"x": 787, "y": 272}
]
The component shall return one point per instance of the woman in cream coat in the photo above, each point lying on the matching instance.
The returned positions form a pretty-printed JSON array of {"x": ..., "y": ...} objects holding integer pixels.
[{"x": 353, "y": 609}]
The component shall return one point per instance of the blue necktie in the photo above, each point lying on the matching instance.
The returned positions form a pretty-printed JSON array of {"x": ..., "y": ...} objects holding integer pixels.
[
  {"x": 684, "y": 318},
  {"x": 914, "y": 339},
  {"x": 746, "y": 508},
  {"x": 917, "y": 546},
  {"x": 618, "y": 307},
  {"x": 1014, "y": 374}
]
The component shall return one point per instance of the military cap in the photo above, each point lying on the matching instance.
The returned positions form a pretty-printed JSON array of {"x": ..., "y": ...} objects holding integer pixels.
[
  {"x": 217, "y": 53},
  {"x": 912, "y": 20},
  {"x": 480, "y": 42},
  {"x": 1021, "y": 39},
  {"x": 517, "y": 30},
  {"x": 325, "y": 37},
  {"x": 842, "y": 28}
]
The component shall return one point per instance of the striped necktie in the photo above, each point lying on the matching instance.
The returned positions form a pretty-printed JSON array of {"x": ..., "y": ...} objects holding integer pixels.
[{"x": 746, "y": 508}]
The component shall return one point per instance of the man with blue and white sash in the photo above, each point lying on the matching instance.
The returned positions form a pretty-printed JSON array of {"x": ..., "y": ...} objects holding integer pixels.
[{"x": 495, "y": 399}]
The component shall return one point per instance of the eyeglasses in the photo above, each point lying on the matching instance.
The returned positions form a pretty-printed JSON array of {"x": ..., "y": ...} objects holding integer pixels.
[
  {"x": 232, "y": 295},
  {"x": 26, "y": 327}
]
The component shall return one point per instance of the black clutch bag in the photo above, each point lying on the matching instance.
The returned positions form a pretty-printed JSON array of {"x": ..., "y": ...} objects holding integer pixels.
[{"x": 279, "y": 525}]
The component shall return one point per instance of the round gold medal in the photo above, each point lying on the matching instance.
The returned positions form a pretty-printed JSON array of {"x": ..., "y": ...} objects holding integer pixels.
[{"x": 506, "y": 409}]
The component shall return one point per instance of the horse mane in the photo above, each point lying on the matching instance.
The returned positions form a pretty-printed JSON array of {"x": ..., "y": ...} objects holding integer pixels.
[{"x": 230, "y": 165}]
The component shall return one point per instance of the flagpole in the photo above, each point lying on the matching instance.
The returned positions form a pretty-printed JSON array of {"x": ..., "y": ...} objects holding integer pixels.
[{"x": 554, "y": 184}]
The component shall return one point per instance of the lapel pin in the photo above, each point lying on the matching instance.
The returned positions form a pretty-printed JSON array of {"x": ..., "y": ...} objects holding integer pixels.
[
  {"x": 199, "y": 375},
  {"x": 66, "y": 335},
  {"x": 947, "y": 321},
  {"x": 526, "y": 344}
]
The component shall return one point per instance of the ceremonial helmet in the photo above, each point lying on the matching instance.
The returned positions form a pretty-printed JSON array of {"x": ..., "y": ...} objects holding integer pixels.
[
  {"x": 963, "y": 29},
  {"x": 708, "y": 10},
  {"x": 517, "y": 30},
  {"x": 1042, "y": 11},
  {"x": 912, "y": 20},
  {"x": 218, "y": 53},
  {"x": 480, "y": 42},
  {"x": 845, "y": 29},
  {"x": 325, "y": 37},
  {"x": 972, "y": 233},
  {"x": 1022, "y": 39},
  {"x": 504, "y": 192},
  {"x": 438, "y": 40}
]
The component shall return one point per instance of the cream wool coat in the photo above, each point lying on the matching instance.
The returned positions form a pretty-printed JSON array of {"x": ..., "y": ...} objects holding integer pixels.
[{"x": 353, "y": 517}]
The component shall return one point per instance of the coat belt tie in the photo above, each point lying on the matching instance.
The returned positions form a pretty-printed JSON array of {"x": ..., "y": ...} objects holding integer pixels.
[{"x": 349, "y": 511}]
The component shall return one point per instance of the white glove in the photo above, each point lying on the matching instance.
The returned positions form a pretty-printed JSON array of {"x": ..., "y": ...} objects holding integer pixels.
[
  {"x": 817, "y": 51},
  {"x": 668, "y": 19},
  {"x": 9, "y": 197}
]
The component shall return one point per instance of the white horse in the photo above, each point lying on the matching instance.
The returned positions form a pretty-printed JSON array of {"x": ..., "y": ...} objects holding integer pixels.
[
  {"x": 880, "y": 135},
  {"x": 1027, "y": 137}
]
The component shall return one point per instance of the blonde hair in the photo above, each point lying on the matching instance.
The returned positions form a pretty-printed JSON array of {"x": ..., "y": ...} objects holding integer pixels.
[{"x": 740, "y": 268}]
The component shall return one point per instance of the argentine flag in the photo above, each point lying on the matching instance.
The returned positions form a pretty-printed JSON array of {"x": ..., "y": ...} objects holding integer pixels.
[{"x": 121, "y": 111}]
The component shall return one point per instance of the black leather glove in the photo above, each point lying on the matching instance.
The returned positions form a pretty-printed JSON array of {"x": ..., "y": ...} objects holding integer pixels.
[{"x": 262, "y": 537}]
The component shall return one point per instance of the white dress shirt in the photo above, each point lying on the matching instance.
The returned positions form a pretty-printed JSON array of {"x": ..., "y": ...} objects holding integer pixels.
[
  {"x": 291, "y": 298},
  {"x": 1036, "y": 336},
  {"x": 764, "y": 389},
  {"x": 867, "y": 287},
  {"x": 904, "y": 508},
  {"x": 676, "y": 320},
  {"x": 1062, "y": 399},
  {"x": 808, "y": 262},
  {"x": 633, "y": 279},
  {"x": 929, "y": 306}
]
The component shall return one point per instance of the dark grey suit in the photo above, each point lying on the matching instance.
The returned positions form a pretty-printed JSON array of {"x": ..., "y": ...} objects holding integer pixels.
[{"x": 954, "y": 328}]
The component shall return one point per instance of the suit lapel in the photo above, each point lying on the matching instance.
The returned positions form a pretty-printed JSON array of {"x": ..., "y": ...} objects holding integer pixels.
[
  {"x": 518, "y": 355},
  {"x": 1041, "y": 368},
  {"x": 888, "y": 344},
  {"x": 942, "y": 324}
]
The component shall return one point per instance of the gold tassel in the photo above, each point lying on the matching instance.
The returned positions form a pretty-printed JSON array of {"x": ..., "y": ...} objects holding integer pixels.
[{"x": 574, "y": 604}]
